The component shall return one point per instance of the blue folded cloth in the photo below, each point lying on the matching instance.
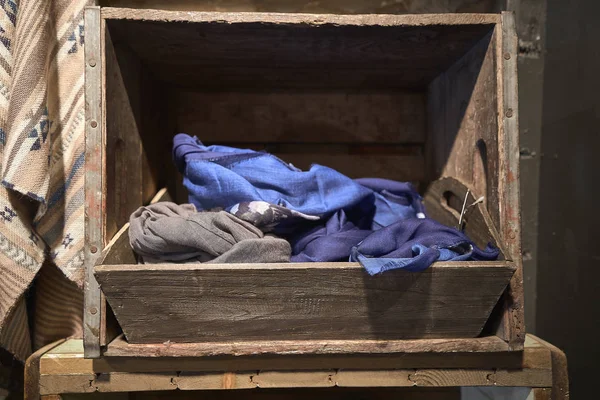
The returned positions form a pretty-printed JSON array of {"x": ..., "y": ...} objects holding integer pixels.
[
  {"x": 414, "y": 244},
  {"x": 221, "y": 176}
]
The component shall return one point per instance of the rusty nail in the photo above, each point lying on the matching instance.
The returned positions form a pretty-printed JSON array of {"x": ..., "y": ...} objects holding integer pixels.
[
  {"x": 93, "y": 311},
  {"x": 92, "y": 62},
  {"x": 507, "y": 56},
  {"x": 94, "y": 124},
  {"x": 94, "y": 249},
  {"x": 512, "y": 235},
  {"x": 509, "y": 113}
]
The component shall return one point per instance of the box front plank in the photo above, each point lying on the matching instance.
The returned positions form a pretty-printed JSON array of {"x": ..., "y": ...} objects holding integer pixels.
[{"x": 158, "y": 303}]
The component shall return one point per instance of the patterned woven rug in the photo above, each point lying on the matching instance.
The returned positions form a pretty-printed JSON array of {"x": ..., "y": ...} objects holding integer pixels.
[{"x": 42, "y": 160}]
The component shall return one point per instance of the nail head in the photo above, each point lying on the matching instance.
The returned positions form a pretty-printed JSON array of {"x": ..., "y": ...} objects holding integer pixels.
[
  {"x": 507, "y": 56},
  {"x": 94, "y": 249},
  {"x": 94, "y": 124},
  {"x": 93, "y": 311},
  {"x": 92, "y": 62},
  {"x": 509, "y": 113}
]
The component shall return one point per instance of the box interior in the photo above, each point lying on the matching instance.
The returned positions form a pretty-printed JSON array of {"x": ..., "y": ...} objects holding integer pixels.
[{"x": 409, "y": 103}]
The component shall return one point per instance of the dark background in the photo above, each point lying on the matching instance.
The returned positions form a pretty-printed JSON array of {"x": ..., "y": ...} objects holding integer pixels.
[{"x": 568, "y": 252}]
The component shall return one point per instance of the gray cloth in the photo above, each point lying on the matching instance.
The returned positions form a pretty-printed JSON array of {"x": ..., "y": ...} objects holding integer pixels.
[{"x": 167, "y": 232}]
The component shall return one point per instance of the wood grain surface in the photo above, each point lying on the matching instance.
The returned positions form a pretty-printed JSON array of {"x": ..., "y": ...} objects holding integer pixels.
[
  {"x": 187, "y": 303},
  {"x": 264, "y": 50},
  {"x": 301, "y": 117}
]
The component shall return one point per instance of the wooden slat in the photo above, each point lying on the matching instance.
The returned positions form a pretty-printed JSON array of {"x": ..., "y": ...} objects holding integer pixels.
[
  {"x": 478, "y": 377},
  {"x": 108, "y": 375},
  {"x": 215, "y": 380},
  {"x": 121, "y": 348},
  {"x": 299, "y": 18},
  {"x": 294, "y": 6},
  {"x": 317, "y": 117},
  {"x": 203, "y": 302},
  {"x": 119, "y": 382},
  {"x": 94, "y": 173},
  {"x": 254, "y": 50},
  {"x": 512, "y": 325},
  {"x": 68, "y": 358},
  {"x": 373, "y": 378}
]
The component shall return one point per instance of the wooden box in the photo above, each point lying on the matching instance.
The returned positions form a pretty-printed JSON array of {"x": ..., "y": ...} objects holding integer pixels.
[{"x": 430, "y": 99}]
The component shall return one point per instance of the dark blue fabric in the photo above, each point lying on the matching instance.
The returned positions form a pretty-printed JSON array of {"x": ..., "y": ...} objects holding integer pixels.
[
  {"x": 332, "y": 241},
  {"x": 393, "y": 201},
  {"x": 414, "y": 244},
  {"x": 377, "y": 222}
]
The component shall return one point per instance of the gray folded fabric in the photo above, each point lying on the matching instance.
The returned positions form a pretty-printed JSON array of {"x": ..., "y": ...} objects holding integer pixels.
[{"x": 170, "y": 232}]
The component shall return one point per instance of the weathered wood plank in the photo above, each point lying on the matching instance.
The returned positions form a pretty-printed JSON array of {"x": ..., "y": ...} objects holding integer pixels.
[
  {"x": 94, "y": 177},
  {"x": 463, "y": 124},
  {"x": 215, "y": 380},
  {"x": 250, "y": 50},
  {"x": 373, "y": 378},
  {"x": 121, "y": 348},
  {"x": 108, "y": 375},
  {"x": 435, "y": 378},
  {"x": 512, "y": 325},
  {"x": 131, "y": 382},
  {"x": 300, "y": 301},
  {"x": 444, "y": 200},
  {"x": 124, "y": 173},
  {"x": 111, "y": 382},
  {"x": 328, "y": 7},
  {"x": 299, "y": 18},
  {"x": 292, "y": 116},
  {"x": 68, "y": 358}
]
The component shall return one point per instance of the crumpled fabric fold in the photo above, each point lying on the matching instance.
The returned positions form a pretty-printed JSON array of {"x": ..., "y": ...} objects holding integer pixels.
[
  {"x": 378, "y": 222},
  {"x": 414, "y": 244},
  {"x": 167, "y": 232}
]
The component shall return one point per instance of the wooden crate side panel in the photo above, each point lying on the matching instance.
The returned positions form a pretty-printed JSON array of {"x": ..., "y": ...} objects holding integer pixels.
[
  {"x": 463, "y": 123},
  {"x": 300, "y": 18},
  {"x": 299, "y": 117},
  {"x": 302, "y": 301},
  {"x": 124, "y": 176},
  {"x": 444, "y": 201},
  {"x": 94, "y": 172}
]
